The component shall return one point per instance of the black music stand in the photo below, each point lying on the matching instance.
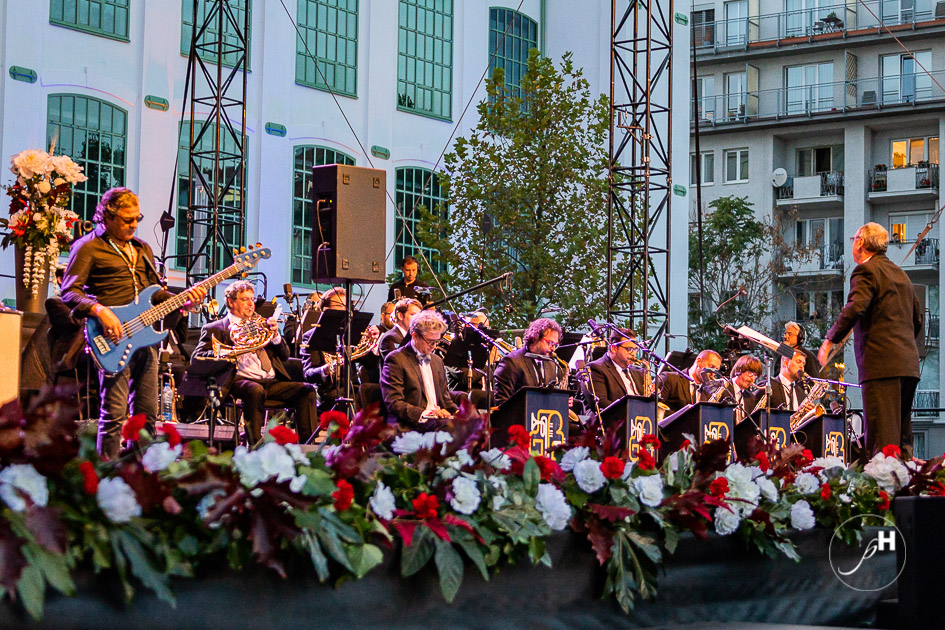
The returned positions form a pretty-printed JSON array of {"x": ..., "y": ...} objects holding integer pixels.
[
  {"x": 639, "y": 417},
  {"x": 777, "y": 424},
  {"x": 703, "y": 420},
  {"x": 542, "y": 411},
  {"x": 568, "y": 346},
  {"x": 825, "y": 436},
  {"x": 204, "y": 379},
  {"x": 330, "y": 334}
]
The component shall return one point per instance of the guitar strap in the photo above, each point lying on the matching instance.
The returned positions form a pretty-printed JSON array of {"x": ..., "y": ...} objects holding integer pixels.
[{"x": 130, "y": 261}]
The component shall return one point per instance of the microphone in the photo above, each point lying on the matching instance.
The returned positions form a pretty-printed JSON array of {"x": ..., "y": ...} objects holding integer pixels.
[
  {"x": 713, "y": 371},
  {"x": 741, "y": 291},
  {"x": 539, "y": 357},
  {"x": 287, "y": 291},
  {"x": 596, "y": 328}
]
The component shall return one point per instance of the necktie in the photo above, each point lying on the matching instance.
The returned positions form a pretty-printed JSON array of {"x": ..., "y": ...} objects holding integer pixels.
[
  {"x": 629, "y": 383},
  {"x": 424, "y": 359},
  {"x": 264, "y": 359}
]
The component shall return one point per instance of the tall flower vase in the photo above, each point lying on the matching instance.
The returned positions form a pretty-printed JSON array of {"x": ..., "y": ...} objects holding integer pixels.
[{"x": 26, "y": 300}]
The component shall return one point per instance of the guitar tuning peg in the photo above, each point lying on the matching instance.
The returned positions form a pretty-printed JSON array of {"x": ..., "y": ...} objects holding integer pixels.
[
  {"x": 250, "y": 247},
  {"x": 235, "y": 251},
  {"x": 258, "y": 245},
  {"x": 242, "y": 250},
  {"x": 244, "y": 275}
]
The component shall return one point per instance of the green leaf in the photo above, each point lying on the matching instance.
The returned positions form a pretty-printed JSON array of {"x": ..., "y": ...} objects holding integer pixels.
[
  {"x": 420, "y": 551},
  {"x": 54, "y": 568},
  {"x": 471, "y": 548},
  {"x": 142, "y": 568},
  {"x": 532, "y": 477},
  {"x": 32, "y": 590},
  {"x": 449, "y": 564},
  {"x": 329, "y": 538},
  {"x": 309, "y": 543},
  {"x": 364, "y": 558},
  {"x": 671, "y": 539}
]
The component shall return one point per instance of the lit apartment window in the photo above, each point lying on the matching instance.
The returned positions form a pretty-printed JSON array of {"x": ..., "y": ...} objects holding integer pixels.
[
  {"x": 703, "y": 28},
  {"x": 736, "y": 166},
  {"x": 108, "y": 18},
  {"x": 425, "y": 57},
  {"x": 912, "y": 151},
  {"x": 903, "y": 80},
  {"x": 708, "y": 168},
  {"x": 415, "y": 187},
  {"x": 93, "y": 133},
  {"x": 330, "y": 32},
  {"x": 511, "y": 36},
  {"x": 237, "y": 12}
]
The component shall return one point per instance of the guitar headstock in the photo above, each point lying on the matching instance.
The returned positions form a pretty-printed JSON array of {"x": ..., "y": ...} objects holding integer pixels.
[{"x": 250, "y": 256}]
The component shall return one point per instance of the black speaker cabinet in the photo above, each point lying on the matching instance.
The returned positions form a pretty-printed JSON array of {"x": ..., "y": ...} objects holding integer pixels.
[{"x": 349, "y": 230}]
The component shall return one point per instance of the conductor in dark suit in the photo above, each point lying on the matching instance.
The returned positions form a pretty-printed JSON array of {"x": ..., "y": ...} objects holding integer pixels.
[
  {"x": 413, "y": 380},
  {"x": 516, "y": 370},
  {"x": 404, "y": 311},
  {"x": 676, "y": 391},
  {"x": 788, "y": 390},
  {"x": 260, "y": 375},
  {"x": 883, "y": 312},
  {"x": 613, "y": 376}
]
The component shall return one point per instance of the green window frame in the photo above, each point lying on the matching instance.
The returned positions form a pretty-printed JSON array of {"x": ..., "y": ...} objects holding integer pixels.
[
  {"x": 330, "y": 32},
  {"x": 94, "y": 134},
  {"x": 425, "y": 58},
  {"x": 106, "y": 18},
  {"x": 230, "y": 34},
  {"x": 409, "y": 183},
  {"x": 511, "y": 36},
  {"x": 233, "y": 229},
  {"x": 303, "y": 216}
]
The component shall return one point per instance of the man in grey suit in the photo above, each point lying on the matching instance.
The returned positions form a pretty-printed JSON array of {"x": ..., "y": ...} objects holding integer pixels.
[{"x": 883, "y": 312}]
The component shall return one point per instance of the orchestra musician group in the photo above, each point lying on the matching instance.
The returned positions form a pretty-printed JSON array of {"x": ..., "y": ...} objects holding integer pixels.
[{"x": 402, "y": 365}]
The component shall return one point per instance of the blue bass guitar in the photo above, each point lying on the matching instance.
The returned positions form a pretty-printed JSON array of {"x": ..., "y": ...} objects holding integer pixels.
[{"x": 138, "y": 319}]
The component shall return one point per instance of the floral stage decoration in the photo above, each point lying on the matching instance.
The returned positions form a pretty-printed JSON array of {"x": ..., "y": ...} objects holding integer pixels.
[
  {"x": 39, "y": 221},
  {"x": 165, "y": 508}
]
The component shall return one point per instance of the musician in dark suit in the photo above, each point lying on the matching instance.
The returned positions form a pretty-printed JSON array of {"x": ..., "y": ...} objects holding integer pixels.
[
  {"x": 109, "y": 266},
  {"x": 316, "y": 366},
  {"x": 413, "y": 381},
  {"x": 883, "y": 312},
  {"x": 404, "y": 311},
  {"x": 677, "y": 391},
  {"x": 260, "y": 375},
  {"x": 516, "y": 370},
  {"x": 794, "y": 336},
  {"x": 614, "y": 376},
  {"x": 789, "y": 390},
  {"x": 741, "y": 386}
]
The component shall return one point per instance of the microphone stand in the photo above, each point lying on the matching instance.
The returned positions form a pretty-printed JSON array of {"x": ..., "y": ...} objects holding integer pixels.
[{"x": 475, "y": 287}]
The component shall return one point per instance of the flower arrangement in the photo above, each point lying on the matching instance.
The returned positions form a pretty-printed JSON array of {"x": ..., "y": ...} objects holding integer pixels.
[
  {"x": 437, "y": 498},
  {"x": 39, "y": 221}
]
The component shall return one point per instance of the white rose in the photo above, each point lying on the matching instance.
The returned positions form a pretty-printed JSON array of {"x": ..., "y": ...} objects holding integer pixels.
[
  {"x": 44, "y": 187},
  {"x": 768, "y": 490},
  {"x": 268, "y": 462},
  {"x": 295, "y": 451},
  {"x": 464, "y": 459},
  {"x": 726, "y": 521},
  {"x": 408, "y": 443},
  {"x": 554, "y": 508},
  {"x": 159, "y": 456},
  {"x": 572, "y": 457},
  {"x": 17, "y": 480},
  {"x": 117, "y": 500},
  {"x": 828, "y": 462},
  {"x": 58, "y": 181},
  {"x": 66, "y": 168},
  {"x": 496, "y": 458},
  {"x": 807, "y": 483},
  {"x": 382, "y": 502},
  {"x": 649, "y": 489},
  {"x": 588, "y": 475},
  {"x": 298, "y": 483},
  {"x": 29, "y": 163},
  {"x": 737, "y": 474},
  {"x": 466, "y": 495},
  {"x": 889, "y": 472},
  {"x": 802, "y": 516},
  {"x": 846, "y": 498}
]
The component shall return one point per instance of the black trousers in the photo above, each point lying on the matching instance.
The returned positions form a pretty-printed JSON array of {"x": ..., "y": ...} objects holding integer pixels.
[
  {"x": 887, "y": 404},
  {"x": 254, "y": 394}
]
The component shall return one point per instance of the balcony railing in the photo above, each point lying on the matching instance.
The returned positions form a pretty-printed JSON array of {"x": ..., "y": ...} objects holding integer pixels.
[
  {"x": 932, "y": 330},
  {"x": 740, "y": 33},
  {"x": 812, "y": 187},
  {"x": 827, "y": 257},
  {"x": 926, "y": 254},
  {"x": 925, "y": 399},
  {"x": 905, "y": 179},
  {"x": 826, "y": 98}
]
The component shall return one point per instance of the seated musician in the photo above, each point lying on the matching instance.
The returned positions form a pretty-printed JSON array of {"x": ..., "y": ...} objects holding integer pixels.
[
  {"x": 516, "y": 370},
  {"x": 413, "y": 381},
  {"x": 110, "y": 266},
  {"x": 614, "y": 376},
  {"x": 315, "y": 364},
  {"x": 387, "y": 317},
  {"x": 404, "y": 311},
  {"x": 789, "y": 390},
  {"x": 742, "y": 385},
  {"x": 260, "y": 375},
  {"x": 677, "y": 392}
]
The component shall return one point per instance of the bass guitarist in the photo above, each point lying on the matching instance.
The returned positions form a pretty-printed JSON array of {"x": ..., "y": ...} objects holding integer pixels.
[{"x": 110, "y": 267}]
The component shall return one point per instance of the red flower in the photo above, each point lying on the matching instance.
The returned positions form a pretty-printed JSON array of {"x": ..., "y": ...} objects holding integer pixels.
[
  {"x": 89, "y": 477},
  {"x": 284, "y": 435},
  {"x": 883, "y": 502},
  {"x": 763, "y": 463},
  {"x": 685, "y": 444},
  {"x": 719, "y": 487},
  {"x": 789, "y": 477},
  {"x": 519, "y": 436},
  {"x": 825, "y": 491},
  {"x": 649, "y": 439},
  {"x": 645, "y": 461},
  {"x": 337, "y": 418},
  {"x": 173, "y": 437},
  {"x": 891, "y": 450},
  {"x": 425, "y": 505},
  {"x": 131, "y": 427},
  {"x": 806, "y": 457},
  {"x": 613, "y": 467},
  {"x": 343, "y": 496},
  {"x": 547, "y": 466}
]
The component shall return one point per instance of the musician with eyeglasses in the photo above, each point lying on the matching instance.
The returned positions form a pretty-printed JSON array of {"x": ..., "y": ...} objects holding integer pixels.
[
  {"x": 517, "y": 369},
  {"x": 741, "y": 385},
  {"x": 615, "y": 374},
  {"x": 261, "y": 373},
  {"x": 110, "y": 267}
]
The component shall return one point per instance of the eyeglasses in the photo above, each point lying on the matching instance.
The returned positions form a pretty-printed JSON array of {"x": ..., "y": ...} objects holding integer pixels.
[
  {"x": 131, "y": 220},
  {"x": 551, "y": 342},
  {"x": 249, "y": 298}
]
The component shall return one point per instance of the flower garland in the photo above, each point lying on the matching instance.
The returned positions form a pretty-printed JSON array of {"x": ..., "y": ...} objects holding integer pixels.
[
  {"x": 166, "y": 507},
  {"x": 39, "y": 221}
]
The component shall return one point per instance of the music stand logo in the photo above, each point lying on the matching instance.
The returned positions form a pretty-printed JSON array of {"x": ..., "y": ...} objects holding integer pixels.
[
  {"x": 639, "y": 426},
  {"x": 779, "y": 435},
  {"x": 547, "y": 430},
  {"x": 836, "y": 445},
  {"x": 865, "y": 567}
]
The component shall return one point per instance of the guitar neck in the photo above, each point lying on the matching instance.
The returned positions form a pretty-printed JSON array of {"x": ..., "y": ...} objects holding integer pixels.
[{"x": 168, "y": 306}]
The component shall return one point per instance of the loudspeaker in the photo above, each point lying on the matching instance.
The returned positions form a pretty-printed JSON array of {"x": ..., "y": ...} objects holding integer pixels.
[{"x": 349, "y": 235}]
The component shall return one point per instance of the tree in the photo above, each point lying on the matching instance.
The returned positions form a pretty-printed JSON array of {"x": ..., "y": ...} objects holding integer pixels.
[{"x": 527, "y": 193}]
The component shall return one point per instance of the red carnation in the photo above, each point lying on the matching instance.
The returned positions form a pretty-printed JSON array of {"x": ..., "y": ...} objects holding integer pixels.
[
  {"x": 131, "y": 428},
  {"x": 645, "y": 461},
  {"x": 763, "y": 463},
  {"x": 89, "y": 477},
  {"x": 806, "y": 458},
  {"x": 891, "y": 450},
  {"x": 339, "y": 419},
  {"x": 284, "y": 435},
  {"x": 547, "y": 466},
  {"x": 518, "y": 435},
  {"x": 685, "y": 444},
  {"x": 825, "y": 491},
  {"x": 173, "y": 437},
  {"x": 883, "y": 502},
  {"x": 425, "y": 505},
  {"x": 649, "y": 439},
  {"x": 719, "y": 487},
  {"x": 343, "y": 496},
  {"x": 613, "y": 467}
]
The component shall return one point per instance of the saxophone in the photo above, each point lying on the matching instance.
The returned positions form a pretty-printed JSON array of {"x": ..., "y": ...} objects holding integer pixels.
[
  {"x": 810, "y": 408},
  {"x": 720, "y": 392},
  {"x": 649, "y": 388}
]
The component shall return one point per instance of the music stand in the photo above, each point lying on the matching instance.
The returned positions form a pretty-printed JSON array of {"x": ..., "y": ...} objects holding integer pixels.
[
  {"x": 469, "y": 351},
  {"x": 568, "y": 346},
  {"x": 331, "y": 324},
  {"x": 203, "y": 379}
]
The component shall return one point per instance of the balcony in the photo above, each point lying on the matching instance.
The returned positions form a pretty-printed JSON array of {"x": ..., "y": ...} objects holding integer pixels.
[
  {"x": 893, "y": 94},
  {"x": 813, "y": 191},
  {"x": 767, "y": 32},
  {"x": 826, "y": 260},
  {"x": 932, "y": 328},
  {"x": 925, "y": 399},
  {"x": 925, "y": 256},
  {"x": 910, "y": 182}
]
